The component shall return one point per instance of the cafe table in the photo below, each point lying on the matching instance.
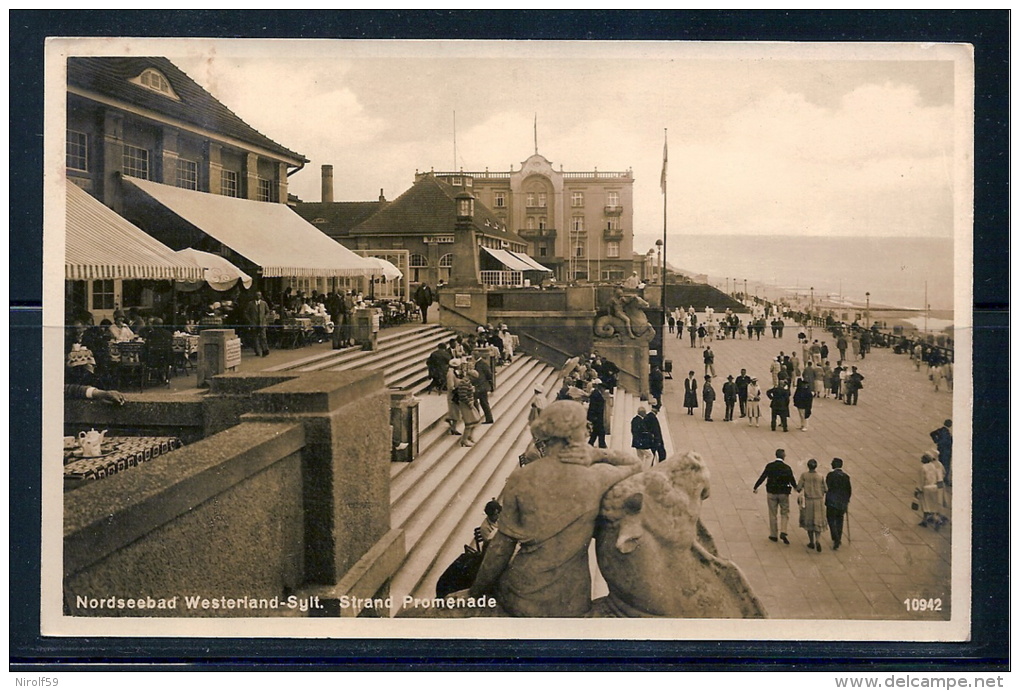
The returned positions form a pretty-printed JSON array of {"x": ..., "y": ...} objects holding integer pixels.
[{"x": 119, "y": 454}]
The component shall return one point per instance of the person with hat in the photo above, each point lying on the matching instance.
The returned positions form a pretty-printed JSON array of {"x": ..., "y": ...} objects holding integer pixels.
[
  {"x": 550, "y": 507},
  {"x": 537, "y": 403},
  {"x": 753, "y": 402},
  {"x": 729, "y": 392},
  {"x": 257, "y": 316},
  {"x": 641, "y": 438},
  {"x": 708, "y": 396},
  {"x": 462, "y": 401},
  {"x": 483, "y": 383},
  {"x": 452, "y": 409},
  {"x": 597, "y": 414},
  {"x": 690, "y": 393},
  {"x": 837, "y": 500},
  {"x": 742, "y": 381}
]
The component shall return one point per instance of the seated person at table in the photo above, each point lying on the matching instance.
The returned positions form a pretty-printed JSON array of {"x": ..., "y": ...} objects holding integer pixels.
[
  {"x": 120, "y": 331},
  {"x": 306, "y": 309},
  {"x": 93, "y": 394},
  {"x": 135, "y": 320},
  {"x": 159, "y": 344},
  {"x": 80, "y": 380}
]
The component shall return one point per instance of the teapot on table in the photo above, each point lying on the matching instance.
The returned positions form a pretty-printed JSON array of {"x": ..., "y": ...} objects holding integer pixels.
[{"x": 91, "y": 442}]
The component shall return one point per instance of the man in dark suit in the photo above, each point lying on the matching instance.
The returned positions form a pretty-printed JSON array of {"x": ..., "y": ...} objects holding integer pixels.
[
  {"x": 779, "y": 480},
  {"x": 483, "y": 385},
  {"x": 655, "y": 434},
  {"x": 640, "y": 438},
  {"x": 742, "y": 383},
  {"x": 837, "y": 500},
  {"x": 423, "y": 298},
  {"x": 597, "y": 414},
  {"x": 257, "y": 316},
  {"x": 779, "y": 396}
]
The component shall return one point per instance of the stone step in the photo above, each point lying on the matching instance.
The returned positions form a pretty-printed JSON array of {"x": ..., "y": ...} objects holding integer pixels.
[
  {"x": 446, "y": 519},
  {"x": 516, "y": 381},
  {"x": 394, "y": 351},
  {"x": 319, "y": 357}
]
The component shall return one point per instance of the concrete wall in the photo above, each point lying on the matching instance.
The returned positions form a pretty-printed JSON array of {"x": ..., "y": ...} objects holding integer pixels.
[
  {"x": 218, "y": 518},
  {"x": 293, "y": 500}
]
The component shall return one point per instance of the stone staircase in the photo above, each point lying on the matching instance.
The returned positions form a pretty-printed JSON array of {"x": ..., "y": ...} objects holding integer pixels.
[{"x": 438, "y": 498}]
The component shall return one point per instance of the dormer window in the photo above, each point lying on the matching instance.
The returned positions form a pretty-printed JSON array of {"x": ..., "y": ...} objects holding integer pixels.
[{"x": 154, "y": 80}]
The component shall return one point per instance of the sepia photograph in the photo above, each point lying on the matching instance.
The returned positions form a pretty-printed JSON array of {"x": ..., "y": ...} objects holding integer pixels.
[{"x": 628, "y": 340}]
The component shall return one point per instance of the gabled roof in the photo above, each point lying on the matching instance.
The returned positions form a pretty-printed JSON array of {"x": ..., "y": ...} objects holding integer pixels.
[
  {"x": 338, "y": 217},
  {"x": 429, "y": 207},
  {"x": 111, "y": 77}
]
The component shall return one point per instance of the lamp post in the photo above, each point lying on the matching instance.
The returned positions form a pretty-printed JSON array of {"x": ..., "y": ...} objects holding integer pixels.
[
  {"x": 745, "y": 290},
  {"x": 811, "y": 313},
  {"x": 867, "y": 309}
]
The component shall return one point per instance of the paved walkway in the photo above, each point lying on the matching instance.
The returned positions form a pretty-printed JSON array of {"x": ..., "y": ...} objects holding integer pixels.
[{"x": 885, "y": 557}]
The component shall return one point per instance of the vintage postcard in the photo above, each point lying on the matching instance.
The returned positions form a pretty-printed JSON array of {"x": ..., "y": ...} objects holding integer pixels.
[{"x": 508, "y": 339}]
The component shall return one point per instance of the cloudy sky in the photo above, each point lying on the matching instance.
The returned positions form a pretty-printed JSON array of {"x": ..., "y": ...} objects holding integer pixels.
[{"x": 762, "y": 140}]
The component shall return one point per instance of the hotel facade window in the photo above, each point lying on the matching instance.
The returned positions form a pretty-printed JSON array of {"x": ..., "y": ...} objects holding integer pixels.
[
  {"x": 577, "y": 199},
  {"x": 530, "y": 223},
  {"x": 229, "y": 186},
  {"x": 577, "y": 224},
  {"x": 265, "y": 191},
  {"x": 542, "y": 223},
  {"x": 541, "y": 200},
  {"x": 187, "y": 174},
  {"x": 613, "y": 249},
  {"x": 613, "y": 223},
  {"x": 77, "y": 150},
  {"x": 579, "y": 242},
  {"x": 136, "y": 162},
  {"x": 531, "y": 199},
  {"x": 499, "y": 200},
  {"x": 612, "y": 199}
]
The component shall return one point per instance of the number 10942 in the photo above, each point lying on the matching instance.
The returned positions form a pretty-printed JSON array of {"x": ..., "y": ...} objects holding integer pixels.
[{"x": 921, "y": 604}]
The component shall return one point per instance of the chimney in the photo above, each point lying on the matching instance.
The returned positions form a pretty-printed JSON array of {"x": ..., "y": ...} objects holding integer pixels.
[
  {"x": 382, "y": 197},
  {"x": 327, "y": 184}
]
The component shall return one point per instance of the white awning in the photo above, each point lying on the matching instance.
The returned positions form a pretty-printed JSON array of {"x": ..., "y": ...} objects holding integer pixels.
[
  {"x": 101, "y": 245},
  {"x": 535, "y": 266},
  {"x": 385, "y": 268},
  {"x": 509, "y": 260},
  {"x": 269, "y": 235}
]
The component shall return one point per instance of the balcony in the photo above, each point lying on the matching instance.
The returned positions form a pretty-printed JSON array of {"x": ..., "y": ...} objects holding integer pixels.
[
  {"x": 537, "y": 233},
  {"x": 611, "y": 234},
  {"x": 615, "y": 210}
]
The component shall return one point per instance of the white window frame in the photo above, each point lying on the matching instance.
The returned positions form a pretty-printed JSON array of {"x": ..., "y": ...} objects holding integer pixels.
[
  {"x": 81, "y": 144},
  {"x": 541, "y": 200},
  {"x": 133, "y": 155},
  {"x": 612, "y": 199},
  {"x": 264, "y": 191},
  {"x": 577, "y": 199},
  {"x": 154, "y": 80},
  {"x": 577, "y": 224},
  {"x": 230, "y": 183},
  {"x": 613, "y": 249},
  {"x": 499, "y": 200},
  {"x": 186, "y": 174}
]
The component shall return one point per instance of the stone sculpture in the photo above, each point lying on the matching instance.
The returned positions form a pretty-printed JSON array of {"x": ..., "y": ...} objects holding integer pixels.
[
  {"x": 651, "y": 549},
  {"x": 624, "y": 318}
]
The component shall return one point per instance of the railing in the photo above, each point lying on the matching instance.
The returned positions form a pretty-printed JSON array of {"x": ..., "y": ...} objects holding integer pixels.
[
  {"x": 532, "y": 233},
  {"x": 612, "y": 234},
  {"x": 613, "y": 210},
  {"x": 596, "y": 175},
  {"x": 502, "y": 278}
]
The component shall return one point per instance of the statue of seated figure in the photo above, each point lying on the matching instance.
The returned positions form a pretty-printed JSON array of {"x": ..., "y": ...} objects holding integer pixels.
[{"x": 624, "y": 317}]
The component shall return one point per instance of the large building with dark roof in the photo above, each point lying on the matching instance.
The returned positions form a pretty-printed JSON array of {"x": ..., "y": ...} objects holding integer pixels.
[
  {"x": 422, "y": 220},
  {"x": 578, "y": 223},
  {"x": 149, "y": 142}
]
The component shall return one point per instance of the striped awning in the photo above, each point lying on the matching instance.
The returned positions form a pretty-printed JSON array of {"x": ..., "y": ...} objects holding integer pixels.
[
  {"x": 535, "y": 266},
  {"x": 102, "y": 245},
  {"x": 271, "y": 236}
]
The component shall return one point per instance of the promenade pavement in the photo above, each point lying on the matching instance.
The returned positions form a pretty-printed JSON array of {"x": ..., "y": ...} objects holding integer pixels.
[{"x": 886, "y": 557}]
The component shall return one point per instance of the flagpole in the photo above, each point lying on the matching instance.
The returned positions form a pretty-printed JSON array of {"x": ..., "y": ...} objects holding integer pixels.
[{"x": 662, "y": 277}]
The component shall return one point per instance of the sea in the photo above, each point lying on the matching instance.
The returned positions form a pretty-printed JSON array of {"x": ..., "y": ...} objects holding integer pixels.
[{"x": 897, "y": 271}]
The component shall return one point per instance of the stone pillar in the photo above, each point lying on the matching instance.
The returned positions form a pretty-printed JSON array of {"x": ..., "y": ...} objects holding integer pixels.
[
  {"x": 281, "y": 183},
  {"x": 251, "y": 176},
  {"x": 345, "y": 463},
  {"x": 165, "y": 166},
  {"x": 113, "y": 158},
  {"x": 214, "y": 169},
  {"x": 465, "y": 256}
]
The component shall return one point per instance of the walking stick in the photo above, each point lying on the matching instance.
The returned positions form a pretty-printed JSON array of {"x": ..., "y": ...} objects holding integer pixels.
[{"x": 848, "y": 525}]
